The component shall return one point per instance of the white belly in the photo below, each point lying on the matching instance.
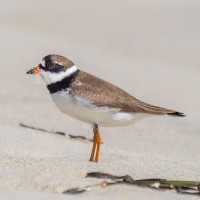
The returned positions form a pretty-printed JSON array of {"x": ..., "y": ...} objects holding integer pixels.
[{"x": 85, "y": 111}]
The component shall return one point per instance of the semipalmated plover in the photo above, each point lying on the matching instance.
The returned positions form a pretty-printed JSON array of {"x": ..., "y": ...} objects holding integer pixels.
[{"x": 91, "y": 99}]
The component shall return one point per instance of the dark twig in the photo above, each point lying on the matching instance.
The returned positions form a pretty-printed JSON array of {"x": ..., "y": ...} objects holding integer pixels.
[{"x": 55, "y": 132}]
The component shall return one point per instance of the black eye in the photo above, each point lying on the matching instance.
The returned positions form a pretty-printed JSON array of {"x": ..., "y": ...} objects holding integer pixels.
[{"x": 50, "y": 65}]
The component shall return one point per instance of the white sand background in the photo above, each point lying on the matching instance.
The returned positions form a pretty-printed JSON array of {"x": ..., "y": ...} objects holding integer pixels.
[{"x": 149, "y": 48}]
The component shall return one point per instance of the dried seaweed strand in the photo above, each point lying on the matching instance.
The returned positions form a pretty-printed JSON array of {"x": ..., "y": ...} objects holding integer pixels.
[{"x": 182, "y": 187}]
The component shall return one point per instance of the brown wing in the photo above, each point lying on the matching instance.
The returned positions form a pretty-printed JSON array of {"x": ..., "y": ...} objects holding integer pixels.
[{"x": 102, "y": 93}]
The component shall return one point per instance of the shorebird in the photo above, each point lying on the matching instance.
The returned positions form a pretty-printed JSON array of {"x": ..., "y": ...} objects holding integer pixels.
[{"x": 91, "y": 99}]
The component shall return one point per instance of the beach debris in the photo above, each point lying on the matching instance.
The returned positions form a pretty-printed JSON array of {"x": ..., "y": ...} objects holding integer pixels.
[
  {"x": 78, "y": 190},
  {"x": 56, "y": 132},
  {"x": 181, "y": 187}
]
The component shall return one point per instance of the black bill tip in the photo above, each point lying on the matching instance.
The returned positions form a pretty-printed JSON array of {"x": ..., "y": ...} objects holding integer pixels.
[{"x": 31, "y": 71}]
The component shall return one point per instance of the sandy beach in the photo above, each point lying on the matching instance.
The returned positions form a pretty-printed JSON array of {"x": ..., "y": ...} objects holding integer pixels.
[{"x": 149, "y": 49}]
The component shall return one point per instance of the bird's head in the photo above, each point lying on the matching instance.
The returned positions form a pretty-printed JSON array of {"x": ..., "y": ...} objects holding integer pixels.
[{"x": 54, "y": 68}]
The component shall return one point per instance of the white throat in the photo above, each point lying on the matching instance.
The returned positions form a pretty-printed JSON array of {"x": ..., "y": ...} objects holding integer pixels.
[{"x": 50, "y": 77}]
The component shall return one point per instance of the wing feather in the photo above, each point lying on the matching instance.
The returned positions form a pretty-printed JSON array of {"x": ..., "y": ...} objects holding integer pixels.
[{"x": 104, "y": 94}]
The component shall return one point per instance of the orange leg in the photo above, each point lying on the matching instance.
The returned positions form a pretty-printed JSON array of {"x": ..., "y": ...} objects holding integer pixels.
[
  {"x": 98, "y": 145},
  {"x": 94, "y": 145}
]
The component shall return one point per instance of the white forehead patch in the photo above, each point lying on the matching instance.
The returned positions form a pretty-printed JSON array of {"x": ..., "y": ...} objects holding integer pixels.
[
  {"x": 43, "y": 63},
  {"x": 50, "y": 77}
]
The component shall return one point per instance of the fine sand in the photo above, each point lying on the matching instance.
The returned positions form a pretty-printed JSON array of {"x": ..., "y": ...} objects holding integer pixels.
[{"x": 148, "y": 48}]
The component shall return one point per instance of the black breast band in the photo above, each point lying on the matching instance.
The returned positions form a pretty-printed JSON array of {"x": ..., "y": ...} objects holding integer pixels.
[{"x": 63, "y": 84}]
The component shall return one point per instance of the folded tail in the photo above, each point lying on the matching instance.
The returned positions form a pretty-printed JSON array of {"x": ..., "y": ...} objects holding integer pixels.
[
  {"x": 155, "y": 110},
  {"x": 177, "y": 114}
]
